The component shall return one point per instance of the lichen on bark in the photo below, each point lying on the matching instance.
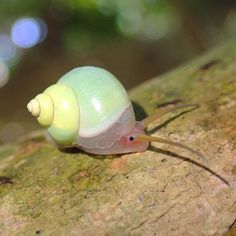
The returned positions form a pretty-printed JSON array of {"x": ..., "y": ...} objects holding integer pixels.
[{"x": 157, "y": 192}]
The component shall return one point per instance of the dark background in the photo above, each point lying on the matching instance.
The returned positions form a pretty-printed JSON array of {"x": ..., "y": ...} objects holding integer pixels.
[{"x": 134, "y": 39}]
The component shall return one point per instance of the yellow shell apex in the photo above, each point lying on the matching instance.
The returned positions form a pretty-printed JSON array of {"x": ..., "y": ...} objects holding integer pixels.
[
  {"x": 57, "y": 108},
  {"x": 42, "y": 108}
]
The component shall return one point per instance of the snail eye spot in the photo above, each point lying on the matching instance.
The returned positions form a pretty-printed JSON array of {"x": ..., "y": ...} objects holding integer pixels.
[{"x": 131, "y": 138}]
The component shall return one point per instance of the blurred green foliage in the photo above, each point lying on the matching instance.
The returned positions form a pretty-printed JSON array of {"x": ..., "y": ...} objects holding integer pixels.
[
  {"x": 83, "y": 20},
  {"x": 134, "y": 39}
]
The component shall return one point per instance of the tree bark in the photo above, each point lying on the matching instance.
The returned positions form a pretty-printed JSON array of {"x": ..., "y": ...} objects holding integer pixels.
[{"x": 157, "y": 192}]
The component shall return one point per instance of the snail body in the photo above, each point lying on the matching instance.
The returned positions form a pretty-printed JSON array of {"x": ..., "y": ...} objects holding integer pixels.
[{"x": 89, "y": 108}]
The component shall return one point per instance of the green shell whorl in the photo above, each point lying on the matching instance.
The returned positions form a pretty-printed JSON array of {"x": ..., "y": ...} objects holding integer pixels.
[{"x": 102, "y": 98}]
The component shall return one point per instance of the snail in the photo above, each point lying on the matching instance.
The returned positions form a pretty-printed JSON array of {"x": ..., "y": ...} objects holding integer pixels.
[{"x": 90, "y": 109}]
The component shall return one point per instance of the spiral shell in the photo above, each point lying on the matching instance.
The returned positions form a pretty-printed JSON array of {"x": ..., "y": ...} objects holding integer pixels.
[{"x": 88, "y": 107}]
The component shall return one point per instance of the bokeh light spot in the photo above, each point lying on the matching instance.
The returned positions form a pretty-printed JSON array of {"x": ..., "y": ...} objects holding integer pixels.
[
  {"x": 27, "y": 32},
  {"x": 7, "y": 48},
  {"x": 4, "y": 74}
]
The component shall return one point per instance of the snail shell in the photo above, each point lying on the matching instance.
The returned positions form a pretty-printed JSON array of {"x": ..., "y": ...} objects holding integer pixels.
[{"x": 87, "y": 107}]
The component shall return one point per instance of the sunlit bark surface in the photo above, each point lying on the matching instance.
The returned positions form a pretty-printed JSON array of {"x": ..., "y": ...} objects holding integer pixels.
[{"x": 157, "y": 192}]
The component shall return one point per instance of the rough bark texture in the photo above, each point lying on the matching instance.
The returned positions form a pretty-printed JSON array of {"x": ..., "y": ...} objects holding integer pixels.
[{"x": 48, "y": 192}]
